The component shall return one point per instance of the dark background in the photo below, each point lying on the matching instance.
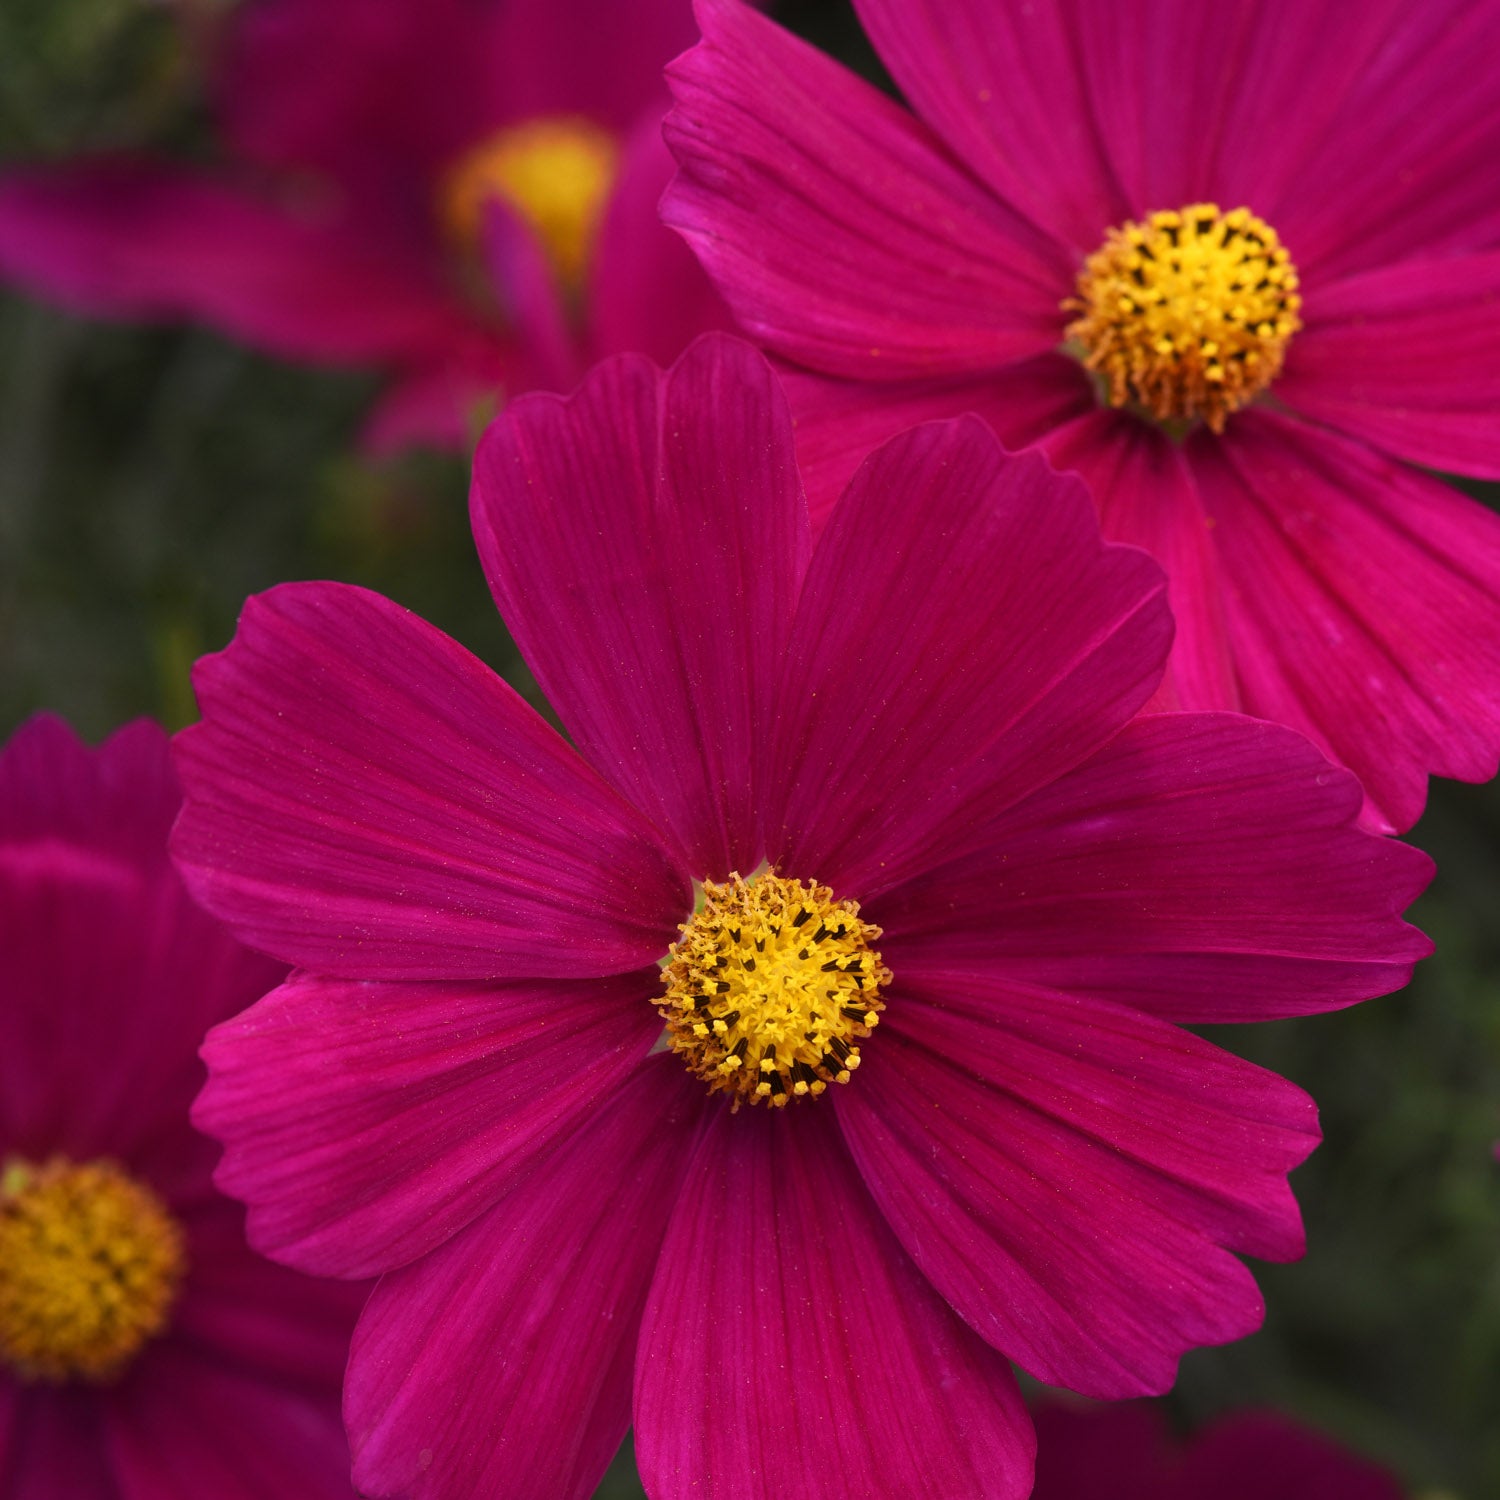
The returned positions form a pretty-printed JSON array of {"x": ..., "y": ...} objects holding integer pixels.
[{"x": 150, "y": 478}]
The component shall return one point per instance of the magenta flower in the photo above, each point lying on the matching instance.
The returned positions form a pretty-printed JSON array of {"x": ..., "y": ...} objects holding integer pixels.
[
  {"x": 1126, "y": 1452},
  {"x": 1238, "y": 265},
  {"x": 146, "y": 1353},
  {"x": 952, "y": 902},
  {"x": 461, "y": 193}
]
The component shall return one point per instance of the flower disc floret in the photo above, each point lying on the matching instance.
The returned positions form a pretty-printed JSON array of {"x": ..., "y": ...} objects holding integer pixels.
[
  {"x": 1187, "y": 314},
  {"x": 771, "y": 987},
  {"x": 90, "y": 1265}
]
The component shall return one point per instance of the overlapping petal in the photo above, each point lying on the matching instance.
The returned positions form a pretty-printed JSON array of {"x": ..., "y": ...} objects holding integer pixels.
[
  {"x": 998, "y": 1127},
  {"x": 538, "y": 1303},
  {"x": 364, "y": 1124},
  {"x": 838, "y": 229},
  {"x": 963, "y": 636},
  {"x": 645, "y": 541},
  {"x": 366, "y": 798},
  {"x": 788, "y": 1338},
  {"x": 1204, "y": 868},
  {"x": 1364, "y": 603}
]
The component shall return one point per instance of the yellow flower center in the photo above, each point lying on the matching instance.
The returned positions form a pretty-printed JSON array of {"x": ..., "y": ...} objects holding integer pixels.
[
  {"x": 1187, "y": 314},
  {"x": 90, "y": 1264},
  {"x": 556, "y": 173},
  {"x": 770, "y": 987}
]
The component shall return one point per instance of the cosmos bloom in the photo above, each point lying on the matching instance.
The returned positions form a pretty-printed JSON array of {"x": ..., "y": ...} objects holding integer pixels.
[
  {"x": 1238, "y": 265},
  {"x": 146, "y": 1353},
  {"x": 460, "y": 193},
  {"x": 867, "y": 831},
  {"x": 1126, "y": 1452}
]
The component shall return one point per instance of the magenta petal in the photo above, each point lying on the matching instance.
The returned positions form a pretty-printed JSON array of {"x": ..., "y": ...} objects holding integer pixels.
[
  {"x": 1146, "y": 497},
  {"x": 645, "y": 540},
  {"x": 840, "y": 422},
  {"x": 366, "y": 1123},
  {"x": 1002, "y": 86},
  {"x": 1069, "y": 1174},
  {"x": 1121, "y": 1451},
  {"x": 1404, "y": 357},
  {"x": 527, "y": 289},
  {"x": 1363, "y": 599},
  {"x": 532, "y": 1311},
  {"x": 1203, "y": 867},
  {"x": 838, "y": 229},
  {"x": 789, "y": 1347},
  {"x": 963, "y": 637},
  {"x": 192, "y": 1426},
  {"x": 1252, "y": 1455},
  {"x": 128, "y": 238},
  {"x": 366, "y": 798},
  {"x": 50, "y": 1446}
]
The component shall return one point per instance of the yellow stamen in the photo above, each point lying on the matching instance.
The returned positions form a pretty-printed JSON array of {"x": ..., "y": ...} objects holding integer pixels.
[
  {"x": 770, "y": 988},
  {"x": 90, "y": 1265},
  {"x": 555, "y": 172},
  {"x": 1187, "y": 314}
]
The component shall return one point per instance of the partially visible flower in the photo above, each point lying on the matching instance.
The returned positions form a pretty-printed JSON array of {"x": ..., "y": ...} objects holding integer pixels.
[
  {"x": 461, "y": 193},
  {"x": 1238, "y": 264},
  {"x": 146, "y": 1352},
  {"x": 865, "y": 831},
  {"x": 1127, "y": 1452}
]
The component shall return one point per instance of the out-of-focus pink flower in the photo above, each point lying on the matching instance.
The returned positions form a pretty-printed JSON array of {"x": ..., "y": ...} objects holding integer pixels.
[
  {"x": 978, "y": 898},
  {"x": 146, "y": 1352},
  {"x": 1127, "y": 1452},
  {"x": 1307, "y": 200},
  {"x": 459, "y": 192}
]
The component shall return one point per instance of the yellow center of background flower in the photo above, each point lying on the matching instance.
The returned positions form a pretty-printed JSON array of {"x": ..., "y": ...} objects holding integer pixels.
[
  {"x": 556, "y": 173},
  {"x": 770, "y": 987},
  {"x": 1187, "y": 314},
  {"x": 90, "y": 1264}
]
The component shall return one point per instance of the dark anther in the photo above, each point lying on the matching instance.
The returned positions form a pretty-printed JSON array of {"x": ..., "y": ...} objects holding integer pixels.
[{"x": 802, "y": 916}]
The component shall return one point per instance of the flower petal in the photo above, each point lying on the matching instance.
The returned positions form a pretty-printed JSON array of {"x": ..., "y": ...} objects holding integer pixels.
[
  {"x": 526, "y": 286},
  {"x": 1404, "y": 357},
  {"x": 1003, "y": 87},
  {"x": 1250, "y": 1455},
  {"x": 645, "y": 541},
  {"x": 1202, "y": 867},
  {"x": 788, "y": 1339},
  {"x": 840, "y": 422},
  {"x": 364, "y": 1124},
  {"x": 538, "y": 1303},
  {"x": 838, "y": 229},
  {"x": 1069, "y": 1174},
  {"x": 50, "y": 1445},
  {"x": 131, "y": 238},
  {"x": 197, "y": 1427},
  {"x": 1363, "y": 599},
  {"x": 366, "y": 798},
  {"x": 921, "y": 694},
  {"x": 1086, "y": 1452}
]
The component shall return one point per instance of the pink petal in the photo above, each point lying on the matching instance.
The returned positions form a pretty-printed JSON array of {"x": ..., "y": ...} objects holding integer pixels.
[
  {"x": 645, "y": 541},
  {"x": 366, "y": 798},
  {"x": 264, "y": 1319},
  {"x": 646, "y": 291},
  {"x": 1069, "y": 1174},
  {"x": 441, "y": 404},
  {"x": 538, "y": 1305},
  {"x": 527, "y": 289},
  {"x": 1251, "y": 1455},
  {"x": 1363, "y": 599},
  {"x": 838, "y": 229},
  {"x": 1002, "y": 87},
  {"x": 963, "y": 637},
  {"x": 789, "y": 1347},
  {"x": 365, "y": 1124},
  {"x": 50, "y": 1445},
  {"x": 1404, "y": 357},
  {"x": 1122, "y": 1451},
  {"x": 1146, "y": 497},
  {"x": 134, "y": 239},
  {"x": 839, "y": 422},
  {"x": 198, "y": 1428},
  {"x": 1202, "y": 867}
]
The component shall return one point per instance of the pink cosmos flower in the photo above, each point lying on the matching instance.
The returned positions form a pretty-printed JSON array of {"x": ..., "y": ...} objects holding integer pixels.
[
  {"x": 871, "y": 827},
  {"x": 146, "y": 1353},
  {"x": 1236, "y": 264},
  {"x": 461, "y": 193},
  {"x": 1126, "y": 1452}
]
